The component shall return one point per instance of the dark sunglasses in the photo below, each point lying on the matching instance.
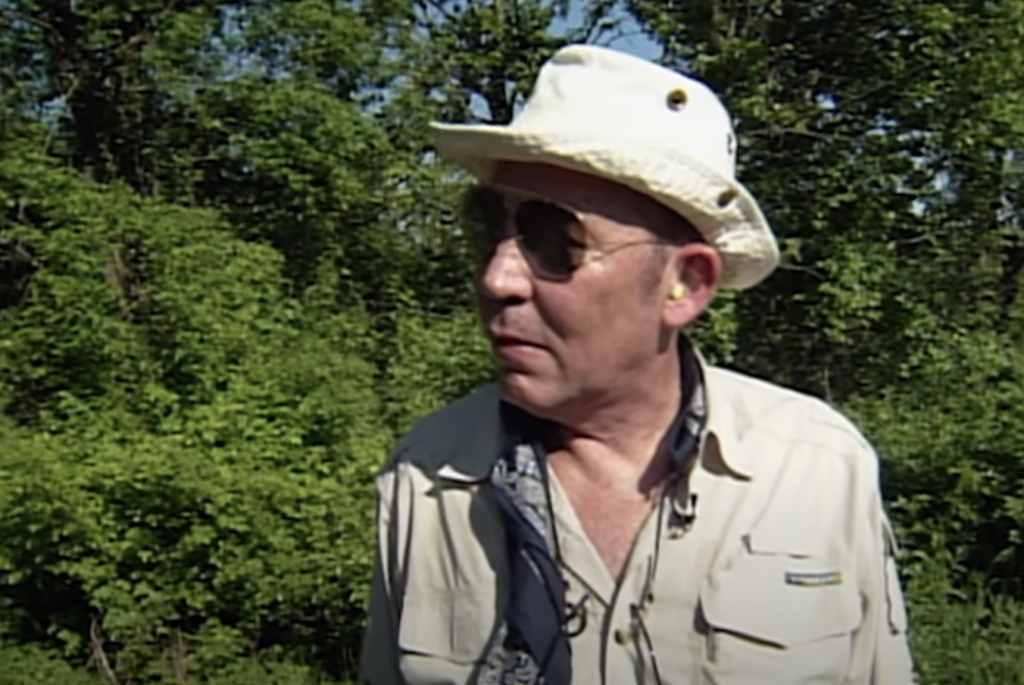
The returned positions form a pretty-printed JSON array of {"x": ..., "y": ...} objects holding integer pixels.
[{"x": 553, "y": 238}]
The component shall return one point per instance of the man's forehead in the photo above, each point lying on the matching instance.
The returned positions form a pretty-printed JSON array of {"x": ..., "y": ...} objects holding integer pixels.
[{"x": 548, "y": 179}]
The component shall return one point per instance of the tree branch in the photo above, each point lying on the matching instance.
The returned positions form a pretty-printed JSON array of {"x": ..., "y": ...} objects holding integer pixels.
[{"x": 99, "y": 656}]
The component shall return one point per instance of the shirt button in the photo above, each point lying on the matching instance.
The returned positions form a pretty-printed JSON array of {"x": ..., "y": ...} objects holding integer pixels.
[{"x": 622, "y": 636}]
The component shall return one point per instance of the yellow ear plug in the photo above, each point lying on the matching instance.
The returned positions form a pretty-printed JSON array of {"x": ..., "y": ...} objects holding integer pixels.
[{"x": 677, "y": 292}]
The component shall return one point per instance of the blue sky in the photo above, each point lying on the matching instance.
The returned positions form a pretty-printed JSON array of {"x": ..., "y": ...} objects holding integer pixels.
[{"x": 632, "y": 39}]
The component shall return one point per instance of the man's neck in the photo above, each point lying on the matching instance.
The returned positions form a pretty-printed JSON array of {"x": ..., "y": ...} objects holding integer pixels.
[{"x": 623, "y": 436}]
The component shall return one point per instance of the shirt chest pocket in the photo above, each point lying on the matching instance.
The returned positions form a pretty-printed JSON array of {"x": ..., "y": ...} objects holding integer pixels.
[
  {"x": 779, "y": 622},
  {"x": 443, "y": 634}
]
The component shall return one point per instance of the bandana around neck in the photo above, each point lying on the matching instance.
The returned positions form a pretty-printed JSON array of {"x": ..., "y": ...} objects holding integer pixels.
[{"x": 532, "y": 646}]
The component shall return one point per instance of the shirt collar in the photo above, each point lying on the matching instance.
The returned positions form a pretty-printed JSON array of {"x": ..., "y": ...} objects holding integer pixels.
[
  {"x": 721, "y": 430},
  {"x": 706, "y": 419},
  {"x": 686, "y": 434}
]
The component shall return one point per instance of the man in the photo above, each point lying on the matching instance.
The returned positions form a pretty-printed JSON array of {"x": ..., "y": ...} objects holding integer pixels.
[{"x": 614, "y": 510}]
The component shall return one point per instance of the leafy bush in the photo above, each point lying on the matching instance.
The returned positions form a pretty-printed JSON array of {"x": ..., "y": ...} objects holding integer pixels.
[
  {"x": 964, "y": 633},
  {"x": 32, "y": 665},
  {"x": 191, "y": 481},
  {"x": 953, "y": 466}
]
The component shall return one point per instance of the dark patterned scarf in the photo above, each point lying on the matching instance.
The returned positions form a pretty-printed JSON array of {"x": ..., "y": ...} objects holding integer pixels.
[{"x": 532, "y": 647}]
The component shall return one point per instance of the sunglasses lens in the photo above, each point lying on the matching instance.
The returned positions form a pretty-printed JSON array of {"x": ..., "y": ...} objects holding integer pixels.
[
  {"x": 551, "y": 237},
  {"x": 484, "y": 216}
]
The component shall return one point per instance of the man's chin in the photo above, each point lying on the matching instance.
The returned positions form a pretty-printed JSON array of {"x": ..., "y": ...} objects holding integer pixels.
[
  {"x": 529, "y": 393},
  {"x": 514, "y": 386}
]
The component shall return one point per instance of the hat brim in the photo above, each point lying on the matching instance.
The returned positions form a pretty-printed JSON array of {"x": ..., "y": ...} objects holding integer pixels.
[{"x": 722, "y": 210}]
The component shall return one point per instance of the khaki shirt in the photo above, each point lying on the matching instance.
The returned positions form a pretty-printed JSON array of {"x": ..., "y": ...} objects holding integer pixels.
[{"x": 783, "y": 574}]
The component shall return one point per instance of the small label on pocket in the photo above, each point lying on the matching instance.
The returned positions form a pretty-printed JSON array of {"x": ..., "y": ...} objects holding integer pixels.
[{"x": 814, "y": 579}]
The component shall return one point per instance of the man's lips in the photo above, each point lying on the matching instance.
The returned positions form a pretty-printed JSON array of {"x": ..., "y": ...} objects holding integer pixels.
[
  {"x": 513, "y": 349},
  {"x": 512, "y": 341}
]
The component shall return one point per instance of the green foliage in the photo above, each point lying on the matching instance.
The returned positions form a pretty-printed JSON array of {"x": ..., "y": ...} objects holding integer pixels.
[
  {"x": 32, "y": 666},
  {"x": 950, "y": 443},
  {"x": 173, "y": 495},
  {"x": 965, "y": 634},
  {"x": 35, "y": 666},
  {"x": 873, "y": 138},
  {"x": 435, "y": 359}
]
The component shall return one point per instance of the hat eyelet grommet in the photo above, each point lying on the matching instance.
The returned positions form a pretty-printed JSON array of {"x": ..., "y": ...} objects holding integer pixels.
[
  {"x": 676, "y": 99},
  {"x": 726, "y": 197}
]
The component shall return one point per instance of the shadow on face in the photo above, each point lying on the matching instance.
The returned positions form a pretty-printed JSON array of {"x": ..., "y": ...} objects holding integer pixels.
[{"x": 620, "y": 206}]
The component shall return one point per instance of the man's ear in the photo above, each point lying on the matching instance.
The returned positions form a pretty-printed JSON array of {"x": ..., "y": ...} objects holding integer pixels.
[{"x": 697, "y": 270}]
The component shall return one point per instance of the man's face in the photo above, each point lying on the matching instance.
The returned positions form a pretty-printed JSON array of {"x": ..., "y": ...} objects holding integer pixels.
[{"x": 569, "y": 342}]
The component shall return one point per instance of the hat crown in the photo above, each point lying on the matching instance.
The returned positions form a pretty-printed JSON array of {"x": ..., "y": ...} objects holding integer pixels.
[
  {"x": 605, "y": 113},
  {"x": 586, "y": 88}
]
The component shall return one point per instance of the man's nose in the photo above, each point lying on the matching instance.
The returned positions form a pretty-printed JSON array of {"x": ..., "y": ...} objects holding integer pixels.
[{"x": 506, "y": 275}]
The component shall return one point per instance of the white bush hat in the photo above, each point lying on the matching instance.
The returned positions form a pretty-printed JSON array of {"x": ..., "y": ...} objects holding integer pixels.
[{"x": 620, "y": 117}]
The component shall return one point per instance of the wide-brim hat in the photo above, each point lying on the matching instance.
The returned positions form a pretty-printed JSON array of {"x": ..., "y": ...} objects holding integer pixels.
[{"x": 610, "y": 114}]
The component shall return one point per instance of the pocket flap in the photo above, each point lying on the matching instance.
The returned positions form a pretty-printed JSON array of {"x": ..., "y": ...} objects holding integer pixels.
[
  {"x": 445, "y": 625},
  {"x": 780, "y": 610},
  {"x": 787, "y": 541}
]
